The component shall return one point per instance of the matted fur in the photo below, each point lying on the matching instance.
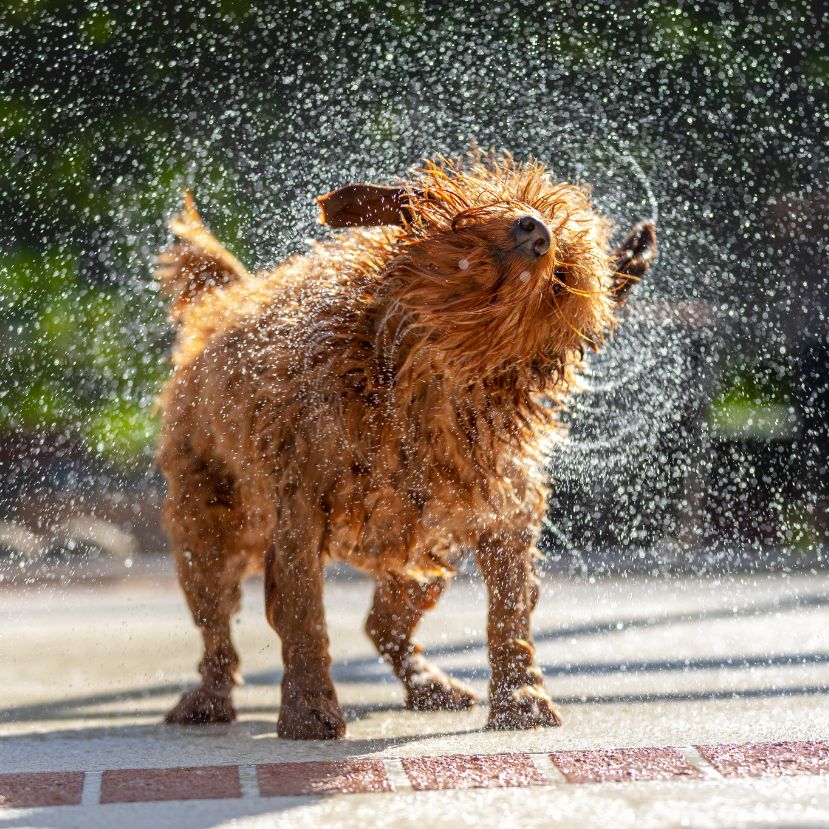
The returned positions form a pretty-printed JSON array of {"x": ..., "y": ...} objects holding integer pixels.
[{"x": 385, "y": 399}]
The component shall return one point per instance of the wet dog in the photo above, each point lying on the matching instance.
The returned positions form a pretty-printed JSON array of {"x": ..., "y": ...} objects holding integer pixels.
[{"x": 385, "y": 399}]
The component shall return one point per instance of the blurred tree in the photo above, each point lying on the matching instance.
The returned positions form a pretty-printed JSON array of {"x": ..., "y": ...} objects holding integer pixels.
[{"x": 108, "y": 108}]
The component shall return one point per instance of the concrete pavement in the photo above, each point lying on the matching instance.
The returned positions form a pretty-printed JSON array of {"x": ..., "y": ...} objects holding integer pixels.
[{"x": 685, "y": 667}]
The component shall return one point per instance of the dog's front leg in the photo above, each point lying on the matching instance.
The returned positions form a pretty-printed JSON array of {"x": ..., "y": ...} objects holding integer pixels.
[
  {"x": 517, "y": 698},
  {"x": 293, "y": 598}
]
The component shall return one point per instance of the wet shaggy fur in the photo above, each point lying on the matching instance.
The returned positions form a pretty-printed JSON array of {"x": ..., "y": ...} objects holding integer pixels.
[{"x": 385, "y": 399}]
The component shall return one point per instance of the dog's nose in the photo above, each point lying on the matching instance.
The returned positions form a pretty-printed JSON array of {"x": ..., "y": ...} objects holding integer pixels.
[{"x": 531, "y": 236}]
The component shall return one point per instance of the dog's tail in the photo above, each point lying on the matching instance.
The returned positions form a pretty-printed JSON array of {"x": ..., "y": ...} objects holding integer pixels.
[{"x": 196, "y": 263}]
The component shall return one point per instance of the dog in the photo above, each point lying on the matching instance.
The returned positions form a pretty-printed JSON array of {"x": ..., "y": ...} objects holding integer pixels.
[{"x": 386, "y": 399}]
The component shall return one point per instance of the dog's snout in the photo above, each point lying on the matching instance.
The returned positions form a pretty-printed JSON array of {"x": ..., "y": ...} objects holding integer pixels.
[{"x": 532, "y": 236}]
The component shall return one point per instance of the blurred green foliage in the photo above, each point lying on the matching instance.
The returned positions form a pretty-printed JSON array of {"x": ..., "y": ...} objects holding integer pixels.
[
  {"x": 754, "y": 403},
  {"x": 102, "y": 103}
]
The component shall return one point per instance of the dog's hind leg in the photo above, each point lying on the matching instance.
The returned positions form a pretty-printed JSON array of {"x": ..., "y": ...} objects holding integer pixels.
[
  {"x": 399, "y": 604},
  {"x": 202, "y": 520},
  {"x": 293, "y": 602}
]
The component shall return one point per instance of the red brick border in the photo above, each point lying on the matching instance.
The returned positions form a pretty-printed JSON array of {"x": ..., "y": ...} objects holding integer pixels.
[
  {"x": 458, "y": 771},
  {"x": 32, "y": 789},
  {"x": 763, "y": 759},
  {"x": 191, "y": 783},
  {"x": 323, "y": 777},
  {"x": 475, "y": 771},
  {"x": 624, "y": 765}
]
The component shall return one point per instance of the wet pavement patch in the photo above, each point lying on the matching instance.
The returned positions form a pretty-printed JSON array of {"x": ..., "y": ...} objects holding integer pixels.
[
  {"x": 35, "y": 789},
  {"x": 193, "y": 783},
  {"x": 472, "y": 771},
  {"x": 775, "y": 759},
  {"x": 624, "y": 765},
  {"x": 322, "y": 777}
]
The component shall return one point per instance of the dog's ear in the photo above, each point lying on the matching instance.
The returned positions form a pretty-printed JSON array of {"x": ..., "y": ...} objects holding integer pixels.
[
  {"x": 365, "y": 205},
  {"x": 632, "y": 259}
]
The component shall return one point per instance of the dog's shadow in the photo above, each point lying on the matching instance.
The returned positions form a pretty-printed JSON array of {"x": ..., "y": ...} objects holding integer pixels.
[
  {"x": 250, "y": 741},
  {"x": 135, "y": 715},
  {"x": 77, "y": 721}
]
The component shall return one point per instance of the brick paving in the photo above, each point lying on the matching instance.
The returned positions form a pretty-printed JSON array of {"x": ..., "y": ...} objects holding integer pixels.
[
  {"x": 624, "y": 765},
  {"x": 150, "y": 785},
  {"x": 322, "y": 777},
  {"x": 34, "y": 789},
  {"x": 472, "y": 771},
  {"x": 458, "y": 771},
  {"x": 784, "y": 759}
]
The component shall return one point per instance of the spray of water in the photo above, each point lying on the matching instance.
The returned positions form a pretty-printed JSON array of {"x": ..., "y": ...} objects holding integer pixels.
[{"x": 706, "y": 121}]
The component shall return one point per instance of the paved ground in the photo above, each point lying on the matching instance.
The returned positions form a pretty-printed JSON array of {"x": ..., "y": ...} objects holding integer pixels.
[{"x": 688, "y": 702}]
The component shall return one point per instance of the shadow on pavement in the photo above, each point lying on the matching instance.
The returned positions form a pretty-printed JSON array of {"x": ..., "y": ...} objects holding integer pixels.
[{"x": 369, "y": 670}]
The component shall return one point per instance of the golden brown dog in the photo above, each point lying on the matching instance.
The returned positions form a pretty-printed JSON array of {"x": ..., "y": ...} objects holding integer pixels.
[{"x": 385, "y": 399}]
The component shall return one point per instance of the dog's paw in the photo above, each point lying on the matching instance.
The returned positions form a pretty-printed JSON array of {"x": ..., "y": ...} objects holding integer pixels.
[
  {"x": 201, "y": 706},
  {"x": 311, "y": 718},
  {"x": 526, "y": 707},
  {"x": 433, "y": 690}
]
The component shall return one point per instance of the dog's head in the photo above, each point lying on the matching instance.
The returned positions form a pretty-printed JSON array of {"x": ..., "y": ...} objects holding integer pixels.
[{"x": 495, "y": 263}]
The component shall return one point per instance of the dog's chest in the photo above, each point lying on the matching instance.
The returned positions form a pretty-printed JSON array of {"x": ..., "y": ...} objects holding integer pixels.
[{"x": 416, "y": 512}]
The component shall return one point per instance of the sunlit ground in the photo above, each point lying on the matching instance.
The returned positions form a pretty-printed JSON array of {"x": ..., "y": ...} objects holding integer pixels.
[{"x": 633, "y": 662}]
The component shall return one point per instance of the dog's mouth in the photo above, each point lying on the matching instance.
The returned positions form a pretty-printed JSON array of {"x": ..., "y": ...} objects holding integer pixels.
[
  {"x": 559, "y": 280},
  {"x": 555, "y": 282}
]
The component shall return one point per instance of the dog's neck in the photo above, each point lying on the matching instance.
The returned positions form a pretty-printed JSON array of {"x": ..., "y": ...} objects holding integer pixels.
[{"x": 410, "y": 355}]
